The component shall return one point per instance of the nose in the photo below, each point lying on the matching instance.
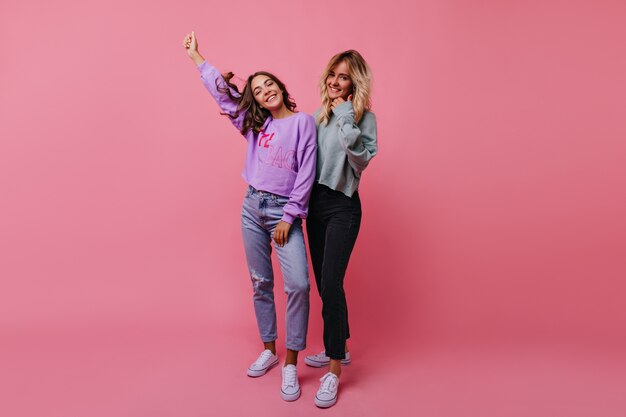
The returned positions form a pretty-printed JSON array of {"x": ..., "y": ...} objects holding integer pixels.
[{"x": 334, "y": 80}]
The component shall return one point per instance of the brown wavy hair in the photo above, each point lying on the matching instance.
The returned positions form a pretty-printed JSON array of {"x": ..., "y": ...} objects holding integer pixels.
[
  {"x": 255, "y": 115},
  {"x": 361, "y": 77}
]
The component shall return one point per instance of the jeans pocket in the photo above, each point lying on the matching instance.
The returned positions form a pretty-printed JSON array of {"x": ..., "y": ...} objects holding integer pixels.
[{"x": 280, "y": 201}]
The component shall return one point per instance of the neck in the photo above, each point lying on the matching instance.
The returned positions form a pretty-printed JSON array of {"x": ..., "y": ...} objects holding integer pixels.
[{"x": 281, "y": 113}]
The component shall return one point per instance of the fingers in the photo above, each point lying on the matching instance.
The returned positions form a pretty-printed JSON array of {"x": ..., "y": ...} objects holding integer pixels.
[
  {"x": 278, "y": 237},
  {"x": 336, "y": 101},
  {"x": 285, "y": 233},
  {"x": 190, "y": 41},
  {"x": 281, "y": 233}
]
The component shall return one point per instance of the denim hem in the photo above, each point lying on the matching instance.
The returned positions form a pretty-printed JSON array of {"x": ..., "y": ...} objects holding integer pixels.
[{"x": 297, "y": 349}]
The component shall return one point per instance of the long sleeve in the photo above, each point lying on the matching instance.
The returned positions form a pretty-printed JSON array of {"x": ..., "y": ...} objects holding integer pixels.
[
  {"x": 211, "y": 78},
  {"x": 358, "y": 141},
  {"x": 298, "y": 203}
]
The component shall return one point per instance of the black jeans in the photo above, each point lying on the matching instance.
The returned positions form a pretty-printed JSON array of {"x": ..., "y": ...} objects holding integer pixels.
[{"x": 332, "y": 227}]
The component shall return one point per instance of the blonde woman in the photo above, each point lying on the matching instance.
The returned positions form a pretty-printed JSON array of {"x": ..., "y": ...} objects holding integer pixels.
[{"x": 346, "y": 143}]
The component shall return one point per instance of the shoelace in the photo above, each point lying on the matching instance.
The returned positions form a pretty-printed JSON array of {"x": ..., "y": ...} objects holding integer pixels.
[
  {"x": 321, "y": 355},
  {"x": 290, "y": 377},
  {"x": 328, "y": 384},
  {"x": 265, "y": 355}
]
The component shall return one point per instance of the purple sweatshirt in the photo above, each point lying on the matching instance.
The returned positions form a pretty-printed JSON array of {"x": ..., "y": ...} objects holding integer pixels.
[{"x": 281, "y": 158}]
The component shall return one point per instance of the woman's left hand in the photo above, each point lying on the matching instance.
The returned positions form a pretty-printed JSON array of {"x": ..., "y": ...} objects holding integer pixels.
[{"x": 281, "y": 233}]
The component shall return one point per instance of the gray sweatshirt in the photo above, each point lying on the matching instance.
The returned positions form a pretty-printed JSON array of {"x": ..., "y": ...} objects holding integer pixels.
[{"x": 344, "y": 149}]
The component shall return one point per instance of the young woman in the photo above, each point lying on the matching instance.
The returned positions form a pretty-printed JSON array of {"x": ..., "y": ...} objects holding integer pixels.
[
  {"x": 280, "y": 170},
  {"x": 346, "y": 142}
]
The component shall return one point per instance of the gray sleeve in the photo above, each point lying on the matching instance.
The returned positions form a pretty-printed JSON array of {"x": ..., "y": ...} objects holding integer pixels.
[{"x": 358, "y": 141}]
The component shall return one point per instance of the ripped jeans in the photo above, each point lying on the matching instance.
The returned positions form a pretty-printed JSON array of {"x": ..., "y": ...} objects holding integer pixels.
[{"x": 260, "y": 215}]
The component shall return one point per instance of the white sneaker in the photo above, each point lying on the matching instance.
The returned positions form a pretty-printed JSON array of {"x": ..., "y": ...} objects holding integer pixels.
[
  {"x": 264, "y": 363},
  {"x": 320, "y": 360},
  {"x": 290, "y": 389},
  {"x": 327, "y": 394}
]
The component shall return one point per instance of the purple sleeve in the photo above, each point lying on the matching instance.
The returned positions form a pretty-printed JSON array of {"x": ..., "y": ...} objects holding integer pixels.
[
  {"x": 211, "y": 78},
  {"x": 298, "y": 203}
]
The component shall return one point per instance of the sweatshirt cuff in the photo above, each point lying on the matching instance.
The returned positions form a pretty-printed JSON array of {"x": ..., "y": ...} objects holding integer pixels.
[
  {"x": 203, "y": 65},
  {"x": 343, "y": 109},
  {"x": 288, "y": 218}
]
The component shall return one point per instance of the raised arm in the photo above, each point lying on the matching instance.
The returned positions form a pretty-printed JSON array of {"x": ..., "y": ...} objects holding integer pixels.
[{"x": 214, "y": 82}]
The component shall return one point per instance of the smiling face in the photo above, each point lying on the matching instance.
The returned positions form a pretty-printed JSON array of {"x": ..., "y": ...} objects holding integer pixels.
[
  {"x": 267, "y": 93},
  {"x": 338, "y": 81}
]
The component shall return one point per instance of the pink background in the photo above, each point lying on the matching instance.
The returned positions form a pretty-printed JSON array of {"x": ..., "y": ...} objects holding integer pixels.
[{"x": 488, "y": 278}]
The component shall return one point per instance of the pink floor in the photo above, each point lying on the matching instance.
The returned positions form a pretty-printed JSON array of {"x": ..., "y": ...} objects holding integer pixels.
[{"x": 196, "y": 372}]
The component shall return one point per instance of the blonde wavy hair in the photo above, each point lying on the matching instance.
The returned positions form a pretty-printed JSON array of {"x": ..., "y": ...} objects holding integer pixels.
[{"x": 361, "y": 77}]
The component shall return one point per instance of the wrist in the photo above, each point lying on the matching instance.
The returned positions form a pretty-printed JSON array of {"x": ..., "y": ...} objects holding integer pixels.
[
  {"x": 288, "y": 218},
  {"x": 195, "y": 57},
  {"x": 343, "y": 108}
]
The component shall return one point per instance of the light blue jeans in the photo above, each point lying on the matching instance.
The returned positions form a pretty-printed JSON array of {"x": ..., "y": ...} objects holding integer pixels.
[{"x": 260, "y": 215}]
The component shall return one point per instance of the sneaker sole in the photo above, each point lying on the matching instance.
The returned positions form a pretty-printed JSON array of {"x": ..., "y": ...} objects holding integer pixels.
[
  {"x": 290, "y": 397},
  {"x": 257, "y": 373},
  {"x": 325, "y": 404},
  {"x": 316, "y": 364}
]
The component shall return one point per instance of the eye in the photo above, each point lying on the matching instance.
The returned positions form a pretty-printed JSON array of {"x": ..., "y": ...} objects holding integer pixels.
[{"x": 344, "y": 78}]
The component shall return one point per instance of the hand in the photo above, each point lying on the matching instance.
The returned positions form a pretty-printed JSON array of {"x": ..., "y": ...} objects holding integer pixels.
[
  {"x": 339, "y": 100},
  {"x": 190, "y": 43},
  {"x": 281, "y": 233}
]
